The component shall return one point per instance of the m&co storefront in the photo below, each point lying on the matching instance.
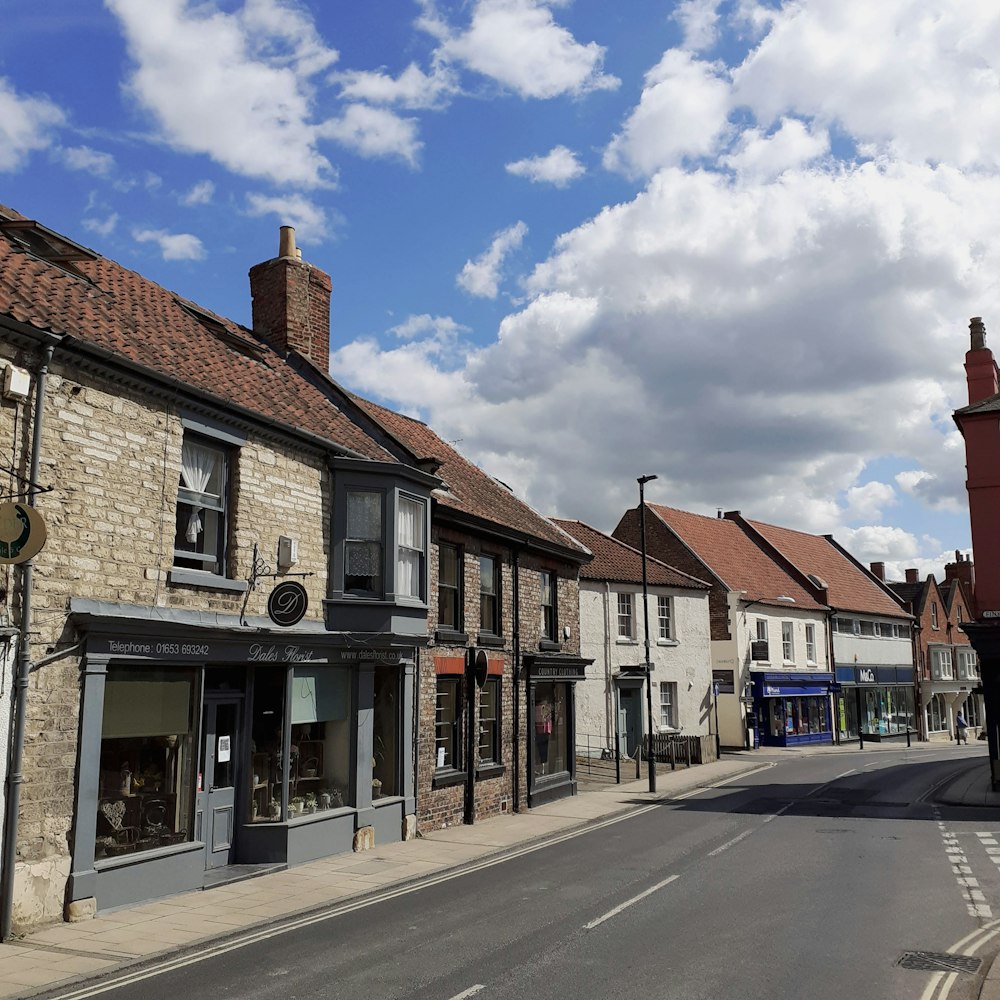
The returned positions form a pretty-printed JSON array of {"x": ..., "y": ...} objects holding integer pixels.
[
  {"x": 875, "y": 702},
  {"x": 205, "y": 748}
]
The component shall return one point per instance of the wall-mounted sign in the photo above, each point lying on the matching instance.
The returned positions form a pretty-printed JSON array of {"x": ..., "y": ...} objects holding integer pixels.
[
  {"x": 480, "y": 666},
  {"x": 724, "y": 681},
  {"x": 287, "y": 604},
  {"x": 22, "y": 532},
  {"x": 225, "y": 749},
  {"x": 991, "y": 614}
]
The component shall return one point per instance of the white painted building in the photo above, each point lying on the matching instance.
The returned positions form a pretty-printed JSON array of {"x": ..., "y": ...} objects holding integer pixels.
[{"x": 611, "y": 703}]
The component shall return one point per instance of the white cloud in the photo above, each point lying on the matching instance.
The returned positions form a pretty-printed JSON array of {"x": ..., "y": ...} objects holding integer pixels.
[
  {"x": 173, "y": 246},
  {"x": 308, "y": 219},
  {"x": 91, "y": 161},
  {"x": 763, "y": 156},
  {"x": 375, "y": 132},
  {"x": 699, "y": 19},
  {"x": 481, "y": 277},
  {"x": 438, "y": 328},
  {"x": 236, "y": 87},
  {"x": 866, "y": 502},
  {"x": 558, "y": 167},
  {"x": 413, "y": 88},
  {"x": 519, "y": 44},
  {"x": 200, "y": 194},
  {"x": 102, "y": 227},
  {"x": 682, "y": 113},
  {"x": 27, "y": 124}
]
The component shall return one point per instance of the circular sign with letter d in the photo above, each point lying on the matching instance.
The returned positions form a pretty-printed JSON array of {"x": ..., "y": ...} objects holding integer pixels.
[{"x": 287, "y": 603}]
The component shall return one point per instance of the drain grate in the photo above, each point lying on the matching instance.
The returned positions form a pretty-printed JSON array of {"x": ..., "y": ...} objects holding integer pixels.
[{"x": 939, "y": 961}]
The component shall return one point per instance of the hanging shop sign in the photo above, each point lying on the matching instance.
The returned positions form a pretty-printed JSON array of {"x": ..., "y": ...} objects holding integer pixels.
[
  {"x": 22, "y": 532},
  {"x": 287, "y": 604}
]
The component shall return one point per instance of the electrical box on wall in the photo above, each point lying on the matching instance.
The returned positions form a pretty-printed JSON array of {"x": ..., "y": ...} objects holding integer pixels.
[
  {"x": 16, "y": 383},
  {"x": 288, "y": 551}
]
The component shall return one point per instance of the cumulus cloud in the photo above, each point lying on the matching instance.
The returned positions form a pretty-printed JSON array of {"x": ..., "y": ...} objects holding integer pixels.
[
  {"x": 559, "y": 166},
  {"x": 309, "y": 220},
  {"x": 519, "y": 44},
  {"x": 375, "y": 132},
  {"x": 102, "y": 227},
  {"x": 91, "y": 161},
  {"x": 200, "y": 194},
  {"x": 481, "y": 277},
  {"x": 761, "y": 155},
  {"x": 413, "y": 88},
  {"x": 699, "y": 20},
  {"x": 173, "y": 246},
  {"x": 440, "y": 329},
  {"x": 234, "y": 86},
  {"x": 27, "y": 124}
]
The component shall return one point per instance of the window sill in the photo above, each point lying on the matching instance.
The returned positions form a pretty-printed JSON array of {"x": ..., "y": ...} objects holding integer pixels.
[
  {"x": 667, "y": 642},
  {"x": 448, "y": 637},
  {"x": 490, "y": 771},
  {"x": 447, "y": 777},
  {"x": 549, "y": 646},
  {"x": 488, "y": 639},
  {"x": 626, "y": 642},
  {"x": 202, "y": 578}
]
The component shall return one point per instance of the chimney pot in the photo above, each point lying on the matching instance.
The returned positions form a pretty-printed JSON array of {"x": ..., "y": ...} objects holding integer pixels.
[{"x": 286, "y": 243}]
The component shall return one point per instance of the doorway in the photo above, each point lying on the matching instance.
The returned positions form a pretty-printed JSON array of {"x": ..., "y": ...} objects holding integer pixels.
[
  {"x": 219, "y": 779},
  {"x": 630, "y": 722}
]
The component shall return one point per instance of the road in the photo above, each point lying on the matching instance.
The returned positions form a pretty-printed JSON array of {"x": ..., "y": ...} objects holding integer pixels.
[{"x": 809, "y": 878}]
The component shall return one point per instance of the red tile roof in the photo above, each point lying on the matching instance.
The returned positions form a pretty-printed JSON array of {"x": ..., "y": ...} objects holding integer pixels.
[
  {"x": 620, "y": 563},
  {"x": 138, "y": 321},
  {"x": 849, "y": 588},
  {"x": 469, "y": 490},
  {"x": 735, "y": 558}
]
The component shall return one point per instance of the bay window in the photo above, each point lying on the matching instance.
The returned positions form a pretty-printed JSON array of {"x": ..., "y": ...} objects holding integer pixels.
[
  {"x": 411, "y": 547},
  {"x": 363, "y": 544}
]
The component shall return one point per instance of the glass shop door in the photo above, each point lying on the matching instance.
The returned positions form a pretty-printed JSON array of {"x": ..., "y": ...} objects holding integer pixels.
[{"x": 217, "y": 788}]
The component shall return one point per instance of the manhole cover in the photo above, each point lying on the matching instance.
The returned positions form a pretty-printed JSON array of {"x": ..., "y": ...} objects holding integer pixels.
[{"x": 939, "y": 961}]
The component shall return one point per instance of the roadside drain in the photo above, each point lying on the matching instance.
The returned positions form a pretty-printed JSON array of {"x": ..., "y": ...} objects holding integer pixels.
[{"x": 938, "y": 961}]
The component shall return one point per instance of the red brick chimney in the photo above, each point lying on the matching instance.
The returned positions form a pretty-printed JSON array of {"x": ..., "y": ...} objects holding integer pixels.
[
  {"x": 980, "y": 368},
  {"x": 878, "y": 569},
  {"x": 291, "y": 303},
  {"x": 912, "y": 577},
  {"x": 963, "y": 570}
]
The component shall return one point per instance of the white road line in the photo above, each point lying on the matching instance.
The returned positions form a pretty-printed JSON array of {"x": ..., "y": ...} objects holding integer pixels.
[
  {"x": 730, "y": 843},
  {"x": 845, "y": 774},
  {"x": 470, "y": 992},
  {"x": 630, "y": 902}
]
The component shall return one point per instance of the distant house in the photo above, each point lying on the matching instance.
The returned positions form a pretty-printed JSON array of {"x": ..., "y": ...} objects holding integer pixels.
[
  {"x": 768, "y": 633},
  {"x": 947, "y": 668},
  {"x": 611, "y": 703},
  {"x": 979, "y": 423}
]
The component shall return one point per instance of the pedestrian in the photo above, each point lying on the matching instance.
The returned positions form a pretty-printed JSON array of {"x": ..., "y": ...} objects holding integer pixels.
[{"x": 960, "y": 726}]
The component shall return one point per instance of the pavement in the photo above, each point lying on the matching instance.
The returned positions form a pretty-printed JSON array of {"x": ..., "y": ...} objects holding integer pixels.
[{"x": 66, "y": 955}]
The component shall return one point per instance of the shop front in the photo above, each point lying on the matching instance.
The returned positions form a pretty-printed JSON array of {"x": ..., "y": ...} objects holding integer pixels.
[
  {"x": 792, "y": 709},
  {"x": 205, "y": 748},
  {"x": 551, "y": 741},
  {"x": 875, "y": 702}
]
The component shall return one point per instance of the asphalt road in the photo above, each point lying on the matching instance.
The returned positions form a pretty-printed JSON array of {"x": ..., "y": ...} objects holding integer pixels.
[{"x": 810, "y": 878}]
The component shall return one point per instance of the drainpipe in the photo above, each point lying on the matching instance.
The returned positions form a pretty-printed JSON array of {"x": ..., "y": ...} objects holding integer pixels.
[
  {"x": 16, "y": 778},
  {"x": 515, "y": 625}
]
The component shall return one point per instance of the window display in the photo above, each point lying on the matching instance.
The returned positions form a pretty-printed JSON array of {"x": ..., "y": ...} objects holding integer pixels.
[
  {"x": 791, "y": 717},
  {"x": 266, "y": 771},
  {"x": 385, "y": 753},
  {"x": 146, "y": 793},
  {"x": 551, "y": 729}
]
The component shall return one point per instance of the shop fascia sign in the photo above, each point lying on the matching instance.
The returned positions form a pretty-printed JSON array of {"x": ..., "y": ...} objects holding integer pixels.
[
  {"x": 564, "y": 671},
  {"x": 866, "y": 675},
  {"x": 22, "y": 533}
]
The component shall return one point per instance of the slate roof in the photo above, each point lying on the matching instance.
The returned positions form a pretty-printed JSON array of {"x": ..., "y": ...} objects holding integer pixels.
[
  {"x": 991, "y": 404},
  {"x": 736, "y": 559},
  {"x": 119, "y": 311},
  {"x": 468, "y": 489},
  {"x": 910, "y": 593},
  {"x": 616, "y": 562},
  {"x": 849, "y": 588}
]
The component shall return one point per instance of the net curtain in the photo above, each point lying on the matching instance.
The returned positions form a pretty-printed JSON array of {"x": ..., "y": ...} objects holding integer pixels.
[{"x": 197, "y": 467}]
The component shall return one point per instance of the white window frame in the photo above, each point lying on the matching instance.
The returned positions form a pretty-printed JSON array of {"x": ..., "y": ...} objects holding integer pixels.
[
  {"x": 942, "y": 665},
  {"x": 411, "y": 557},
  {"x": 664, "y": 618},
  {"x": 810, "y": 643},
  {"x": 626, "y": 616},
  {"x": 934, "y": 615},
  {"x": 196, "y": 502},
  {"x": 788, "y": 642},
  {"x": 668, "y": 705}
]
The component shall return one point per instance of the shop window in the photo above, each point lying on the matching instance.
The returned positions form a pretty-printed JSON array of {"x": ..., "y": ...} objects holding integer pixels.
[
  {"x": 489, "y": 595},
  {"x": 200, "y": 535},
  {"x": 147, "y": 766},
  {"x": 664, "y": 618},
  {"x": 668, "y": 705},
  {"x": 267, "y": 771},
  {"x": 551, "y": 729},
  {"x": 972, "y": 711},
  {"x": 387, "y": 721},
  {"x": 810, "y": 643},
  {"x": 626, "y": 629},
  {"x": 937, "y": 716},
  {"x": 549, "y": 624},
  {"x": 448, "y": 723},
  {"x": 489, "y": 722},
  {"x": 450, "y": 581},
  {"x": 411, "y": 548},
  {"x": 788, "y": 642},
  {"x": 363, "y": 544}
]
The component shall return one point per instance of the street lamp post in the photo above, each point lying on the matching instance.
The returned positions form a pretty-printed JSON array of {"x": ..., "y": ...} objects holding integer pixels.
[{"x": 650, "y": 757}]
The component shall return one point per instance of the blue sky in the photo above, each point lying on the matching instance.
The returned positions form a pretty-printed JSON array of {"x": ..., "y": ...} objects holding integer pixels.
[{"x": 735, "y": 244}]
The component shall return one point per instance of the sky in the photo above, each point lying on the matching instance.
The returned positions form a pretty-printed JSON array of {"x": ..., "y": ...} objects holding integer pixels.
[{"x": 731, "y": 243}]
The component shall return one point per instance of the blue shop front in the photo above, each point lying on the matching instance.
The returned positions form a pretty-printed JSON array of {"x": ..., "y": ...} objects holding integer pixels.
[{"x": 792, "y": 709}]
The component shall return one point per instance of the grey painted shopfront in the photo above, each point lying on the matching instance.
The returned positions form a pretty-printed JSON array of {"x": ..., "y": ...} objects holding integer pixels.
[{"x": 204, "y": 746}]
